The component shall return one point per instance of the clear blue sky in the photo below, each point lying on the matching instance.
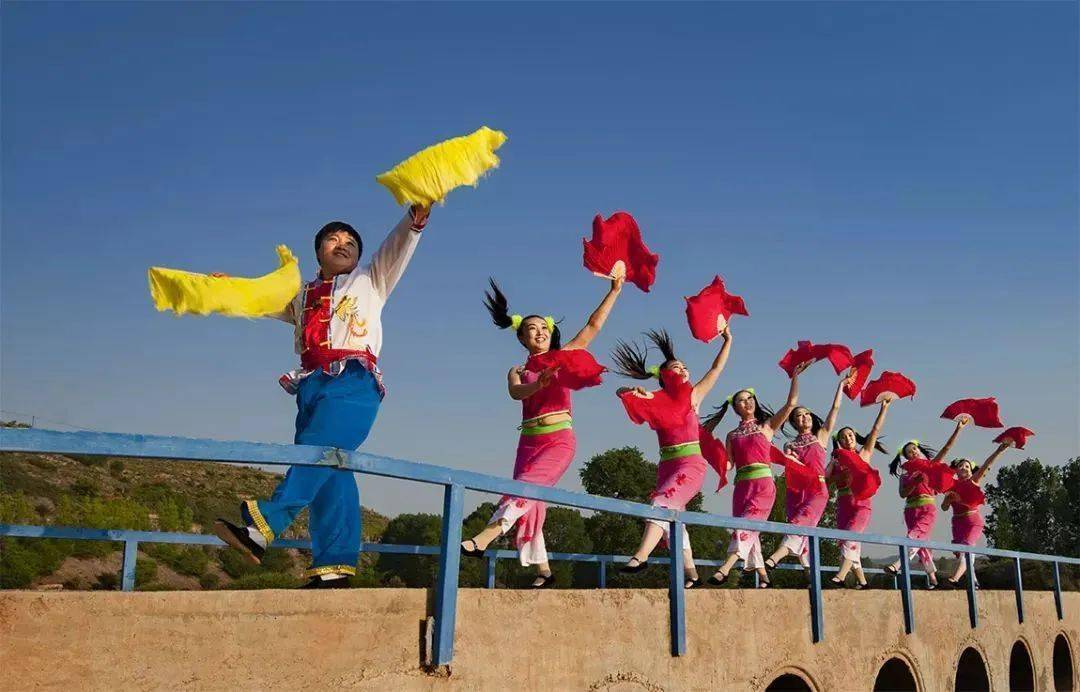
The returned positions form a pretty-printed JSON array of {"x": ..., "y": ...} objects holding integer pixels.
[{"x": 900, "y": 176}]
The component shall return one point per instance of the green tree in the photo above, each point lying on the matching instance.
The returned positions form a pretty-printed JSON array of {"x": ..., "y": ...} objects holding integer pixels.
[
  {"x": 411, "y": 570},
  {"x": 1029, "y": 508}
]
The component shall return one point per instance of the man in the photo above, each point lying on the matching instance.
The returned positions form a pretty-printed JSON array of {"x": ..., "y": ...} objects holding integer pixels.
[{"x": 338, "y": 391}]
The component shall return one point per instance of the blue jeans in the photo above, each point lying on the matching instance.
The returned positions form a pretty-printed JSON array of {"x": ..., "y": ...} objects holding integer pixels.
[{"x": 333, "y": 412}]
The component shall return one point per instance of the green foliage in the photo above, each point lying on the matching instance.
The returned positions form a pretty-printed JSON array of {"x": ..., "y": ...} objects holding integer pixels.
[
  {"x": 209, "y": 581},
  {"x": 265, "y": 580},
  {"x": 234, "y": 564},
  {"x": 16, "y": 508},
  {"x": 411, "y": 529},
  {"x": 623, "y": 473},
  {"x": 1030, "y": 508},
  {"x": 191, "y": 560},
  {"x": 145, "y": 572}
]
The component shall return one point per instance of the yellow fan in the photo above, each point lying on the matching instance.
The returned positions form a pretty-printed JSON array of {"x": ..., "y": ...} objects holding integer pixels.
[
  {"x": 427, "y": 176},
  {"x": 201, "y": 294}
]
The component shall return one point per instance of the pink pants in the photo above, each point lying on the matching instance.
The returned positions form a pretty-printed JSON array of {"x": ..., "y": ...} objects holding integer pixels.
[
  {"x": 967, "y": 529},
  {"x": 753, "y": 499},
  {"x": 804, "y": 509},
  {"x": 852, "y": 515},
  {"x": 677, "y": 482},
  {"x": 541, "y": 459},
  {"x": 920, "y": 524}
]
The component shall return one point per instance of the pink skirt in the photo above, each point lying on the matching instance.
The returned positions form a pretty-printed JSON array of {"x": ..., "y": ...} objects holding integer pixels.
[
  {"x": 804, "y": 509},
  {"x": 753, "y": 499},
  {"x": 678, "y": 480},
  {"x": 967, "y": 530},
  {"x": 920, "y": 525},
  {"x": 542, "y": 460},
  {"x": 852, "y": 515}
]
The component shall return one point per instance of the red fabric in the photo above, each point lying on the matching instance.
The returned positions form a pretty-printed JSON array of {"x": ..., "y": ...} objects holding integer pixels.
[
  {"x": 865, "y": 479},
  {"x": 969, "y": 492},
  {"x": 800, "y": 477},
  {"x": 619, "y": 238},
  {"x": 805, "y": 351},
  {"x": 714, "y": 452},
  {"x": 1018, "y": 435},
  {"x": 888, "y": 382},
  {"x": 939, "y": 477},
  {"x": 665, "y": 408},
  {"x": 863, "y": 364},
  {"x": 577, "y": 369},
  {"x": 704, "y": 310},
  {"x": 983, "y": 412}
]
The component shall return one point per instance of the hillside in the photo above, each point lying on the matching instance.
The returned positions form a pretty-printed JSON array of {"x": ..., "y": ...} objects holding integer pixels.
[{"x": 160, "y": 495}]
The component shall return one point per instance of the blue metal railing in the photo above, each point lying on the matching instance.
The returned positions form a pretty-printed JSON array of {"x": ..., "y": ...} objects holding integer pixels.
[{"x": 456, "y": 481}]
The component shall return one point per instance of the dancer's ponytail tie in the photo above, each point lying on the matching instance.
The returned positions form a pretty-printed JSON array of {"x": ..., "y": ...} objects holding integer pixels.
[
  {"x": 654, "y": 371},
  {"x": 515, "y": 322},
  {"x": 731, "y": 397},
  {"x": 550, "y": 322}
]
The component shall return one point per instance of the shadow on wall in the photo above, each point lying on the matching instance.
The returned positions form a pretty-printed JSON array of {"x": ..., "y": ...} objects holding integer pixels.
[
  {"x": 1021, "y": 672},
  {"x": 971, "y": 675},
  {"x": 895, "y": 676},
  {"x": 1063, "y": 665}
]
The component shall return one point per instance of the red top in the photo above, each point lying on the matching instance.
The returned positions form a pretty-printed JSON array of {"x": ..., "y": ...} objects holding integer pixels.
[
  {"x": 315, "y": 328},
  {"x": 749, "y": 445},
  {"x": 809, "y": 451},
  {"x": 937, "y": 477},
  {"x": 577, "y": 369},
  {"x": 549, "y": 399},
  {"x": 854, "y": 474},
  {"x": 968, "y": 496},
  {"x": 666, "y": 410}
]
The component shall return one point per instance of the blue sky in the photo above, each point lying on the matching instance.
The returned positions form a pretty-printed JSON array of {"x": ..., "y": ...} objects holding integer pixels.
[{"x": 899, "y": 176}]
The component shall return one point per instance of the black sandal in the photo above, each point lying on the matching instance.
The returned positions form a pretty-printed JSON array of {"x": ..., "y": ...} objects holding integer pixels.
[
  {"x": 859, "y": 586},
  {"x": 770, "y": 564},
  {"x": 691, "y": 583},
  {"x": 764, "y": 584},
  {"x": 634, "y": 569},
  {"x": 834, "y": 583},
  {"x": 713, "y": 581},
  {"x": 894, "y": 571},
  {"x": 547, "y": 581},
  {"x": 471, "y": 552}
]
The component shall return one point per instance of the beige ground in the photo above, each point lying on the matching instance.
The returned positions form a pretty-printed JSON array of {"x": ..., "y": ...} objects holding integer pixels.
[{"x": 555, "y": 640}]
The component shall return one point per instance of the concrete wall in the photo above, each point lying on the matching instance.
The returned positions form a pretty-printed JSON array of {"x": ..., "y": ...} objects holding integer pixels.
[{"x": 573, "y": 640}]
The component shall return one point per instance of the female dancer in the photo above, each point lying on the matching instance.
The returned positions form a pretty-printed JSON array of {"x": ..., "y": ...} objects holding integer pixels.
[
  {"x": 967, "y": 522},
  {"x": 672, "y": 413},
  {"x": 918, "y": 488},
  {"x": 546, "y": 447},
  {"x": 748, "y": 448},
  {"x": 809, "y": 447},
  {"x": 853, "y": 513}
]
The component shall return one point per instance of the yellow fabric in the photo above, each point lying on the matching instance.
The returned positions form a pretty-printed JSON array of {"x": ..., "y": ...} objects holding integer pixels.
[
  {"x": 426, "y": 177},
  {"x": 201, "y": 294}
]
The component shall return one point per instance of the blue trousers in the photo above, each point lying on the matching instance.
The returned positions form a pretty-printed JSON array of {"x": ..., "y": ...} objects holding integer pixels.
[{"x": 334, "y": 412}]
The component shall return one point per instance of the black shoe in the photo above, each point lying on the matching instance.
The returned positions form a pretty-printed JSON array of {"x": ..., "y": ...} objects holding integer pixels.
[
  {"x": 320, "y": 583},
  {"x": 634, "y": 569},
  {"x": 834, "y": 583},
  {"x": 764, "y": 584},
  {"x": 238, "y": 537},
  {"x": 471, "y": 552},
  {"x": 713, "y": 581},
  {"x": 894, "y": 571},
  {"x": 691, "y": 583},
  {"x": 859, "y": 586},
  {"x": 545, "y": 582},
  {"x": 930, "y": 586}
]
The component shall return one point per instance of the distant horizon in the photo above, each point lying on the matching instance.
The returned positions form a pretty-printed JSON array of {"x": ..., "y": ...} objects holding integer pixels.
[{"x": 901, "y": 177}]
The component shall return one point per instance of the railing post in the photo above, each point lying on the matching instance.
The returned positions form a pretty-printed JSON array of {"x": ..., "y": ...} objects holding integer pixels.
[
  {"x": 1057, "y": 592},
  {"x": 447, "y": 585},
  {"x": 676, "y": 590},
  {"x": 1019, "y": 591},
  {"x": 601, "y": 573},
  {"x": 905, "y": 591},
  {"x": 817, "y": 616},
  {"x": 973, "y": 607},
  {"x": 491, "y": 571},
  {"x": 127, "y": 568}
]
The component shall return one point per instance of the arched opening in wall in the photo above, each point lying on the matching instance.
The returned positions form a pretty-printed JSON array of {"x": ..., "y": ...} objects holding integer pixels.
[
  {"x": 895, "y": 676},
  {"x": 789, "y": 682},
  {"x": 1021, "y": 672},
  {"x": 1063, "y": 665},
  {"x": 971, "y": 675}
]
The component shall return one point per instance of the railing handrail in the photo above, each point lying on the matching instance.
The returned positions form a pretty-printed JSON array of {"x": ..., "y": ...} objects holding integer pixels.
[
  {"x": 266, "y": 453},
  {"x": 456, "y": 481}
]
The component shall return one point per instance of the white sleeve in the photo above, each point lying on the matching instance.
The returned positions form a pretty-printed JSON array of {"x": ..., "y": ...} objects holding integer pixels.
[{"x": 389, "y": 261}]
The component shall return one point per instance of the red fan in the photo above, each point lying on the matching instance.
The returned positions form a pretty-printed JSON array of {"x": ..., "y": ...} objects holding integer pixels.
[
  {"x": 983, "y": 412},
  {"x": 577, "y": 369},
  {"x": 714, "y": 452},
  {"x": 1017, "y": 435},
  {"x": 889, "y": 383},
  {"x": 839, "y": 356},
  {"x": 618, "y": 240},
  {"x": 800, "y": 477},
  {"x": 709, "y": 311},
  {"x": 667, "y": 408},
  {"x": 865, "y": 479},
  {"x": 939, "y": 476},
  {"x": 969, "y": 492},
  {"x": 863, "y": 364}
]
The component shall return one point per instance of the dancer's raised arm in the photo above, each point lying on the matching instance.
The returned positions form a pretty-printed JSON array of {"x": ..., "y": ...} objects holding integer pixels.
[
  {"x": 982, "y": 470},
  {"x": 596, "y": 320},
  {"x": 867, "y": 450},
  {"x": 781, "y": 416},
  {"x": 706, "y": 383},
  {"x": 830, "y": 420},
  {"x": 941, "y": 455}
]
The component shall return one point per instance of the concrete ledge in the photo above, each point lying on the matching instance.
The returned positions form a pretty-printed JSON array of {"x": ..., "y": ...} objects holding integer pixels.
[{"x": 599, "y": 640}]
